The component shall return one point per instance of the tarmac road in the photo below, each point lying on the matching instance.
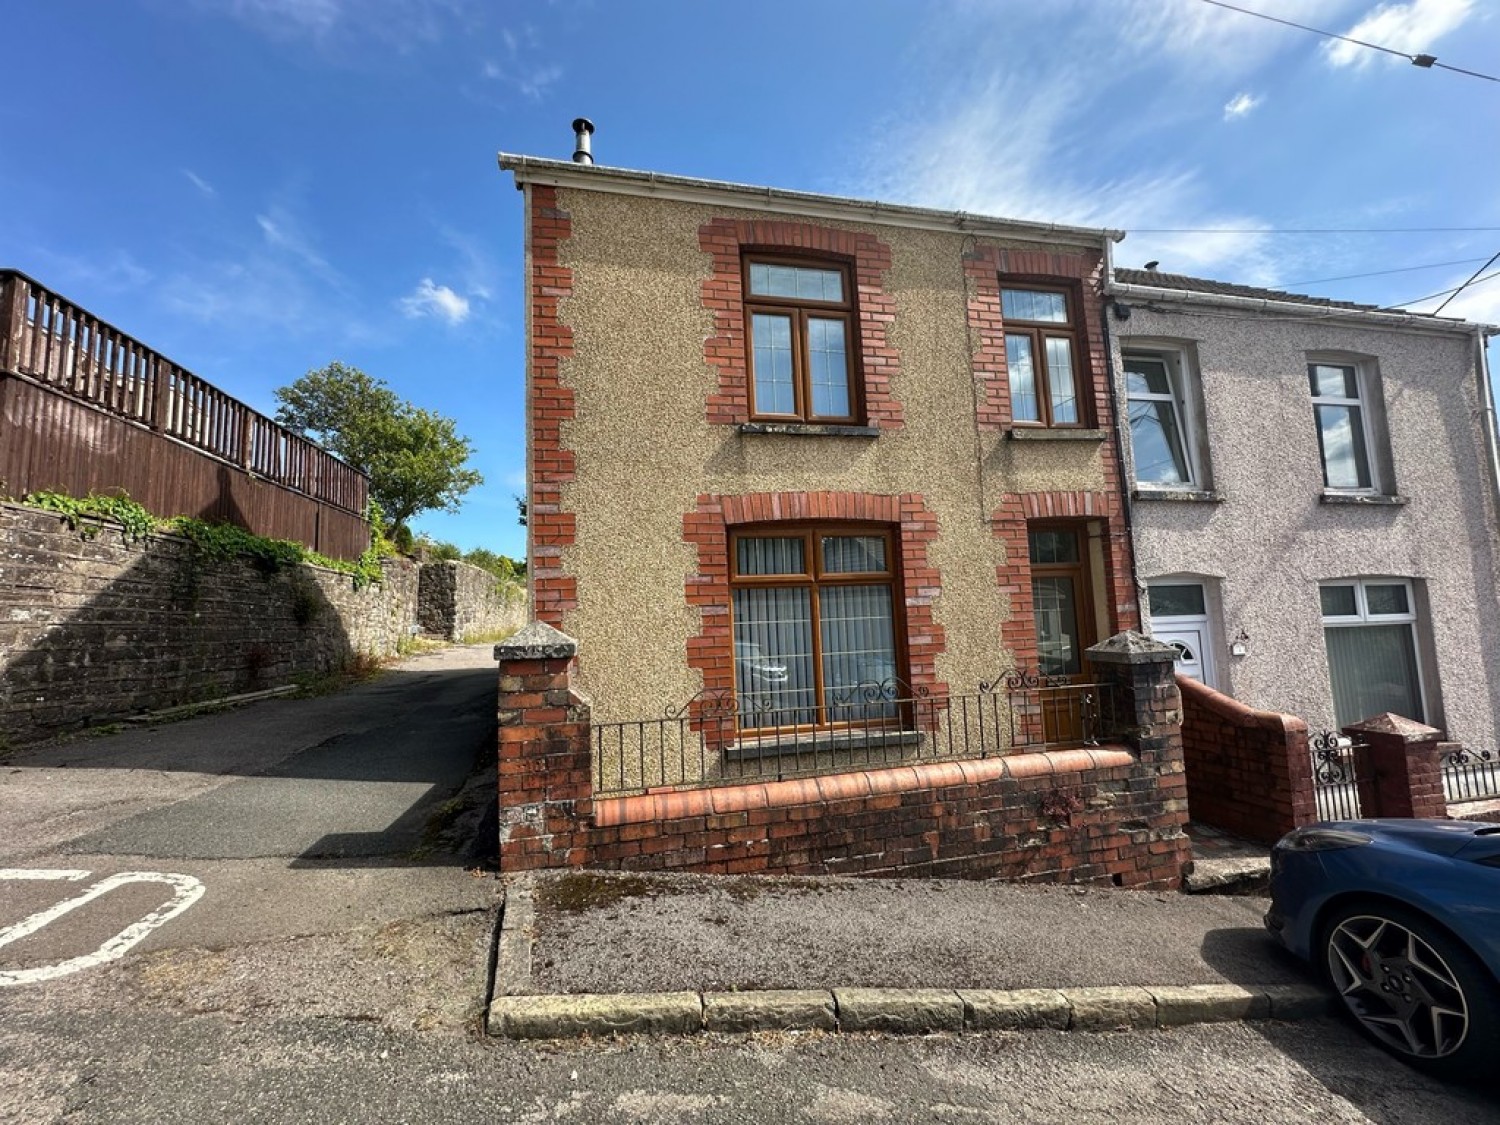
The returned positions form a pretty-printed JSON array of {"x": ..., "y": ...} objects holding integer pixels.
[{"x": 291, "y": 816}]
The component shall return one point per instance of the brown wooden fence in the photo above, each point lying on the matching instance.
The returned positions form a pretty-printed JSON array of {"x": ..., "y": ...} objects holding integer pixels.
[{"x": 84, "y": 407}]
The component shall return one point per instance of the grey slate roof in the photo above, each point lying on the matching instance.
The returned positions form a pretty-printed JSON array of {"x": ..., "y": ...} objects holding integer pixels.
[{"x": 1227, "y": 289}]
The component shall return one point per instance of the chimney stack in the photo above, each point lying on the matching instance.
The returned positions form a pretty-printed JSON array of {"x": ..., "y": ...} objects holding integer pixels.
[{"x": 583, "y": 128}]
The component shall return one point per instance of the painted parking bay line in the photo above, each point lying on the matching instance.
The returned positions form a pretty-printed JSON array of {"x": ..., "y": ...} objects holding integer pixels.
[{"x": 187, "y": 891}]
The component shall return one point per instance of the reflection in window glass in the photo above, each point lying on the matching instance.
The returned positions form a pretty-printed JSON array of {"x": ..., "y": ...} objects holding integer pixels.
[
  {"x": 772, "y": 336},
  {"x": 1176, "y": 599},
  {"x": 1032, "y": 304},
  {"x": 1386, "y": 599},
  {"x": 1056, "y": 608},
  {"x": 797, "y": 282},
  {"x": 1156, "y": 431},
  {"x": 773, "y": 656},
  {"x": 1342, "y": 436},
  {"x": 1338, "y": 601},
  {"x": 828, "y": 366},
  {"x": 1060, "y": 380},
  {"x": 1024, "y": 406},
  {"x": 1053, "y": 546}
]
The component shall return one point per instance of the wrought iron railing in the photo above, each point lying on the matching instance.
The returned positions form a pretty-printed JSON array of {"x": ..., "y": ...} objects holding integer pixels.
[
  {"x": 1334, "y": 779},
  {"x": 1470, "y": 775},
  {"x": 723, "y": 737}
]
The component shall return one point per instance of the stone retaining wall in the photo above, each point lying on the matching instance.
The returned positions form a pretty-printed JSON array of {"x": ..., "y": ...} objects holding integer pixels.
[
  {"x": 456, "y": 600},
  {"x": 94, "y": 628}
]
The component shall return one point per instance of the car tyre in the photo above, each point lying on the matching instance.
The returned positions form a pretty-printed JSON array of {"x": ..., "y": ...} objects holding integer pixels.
[{"x": 1413, "y": 989}]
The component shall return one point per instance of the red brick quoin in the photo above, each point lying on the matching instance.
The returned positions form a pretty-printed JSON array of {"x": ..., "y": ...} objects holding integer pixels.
[
  {"x": 707, "y": 527},
  {"x": 551, "y": 403},
  {"x": 877, "y": 360}
]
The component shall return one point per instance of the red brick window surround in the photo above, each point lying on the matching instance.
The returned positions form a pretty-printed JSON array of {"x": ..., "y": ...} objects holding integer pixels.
[
  {"x": 989, "y": 269},
  {"x": 734, "y": 244},
  {"x": 915, "y": 583}
]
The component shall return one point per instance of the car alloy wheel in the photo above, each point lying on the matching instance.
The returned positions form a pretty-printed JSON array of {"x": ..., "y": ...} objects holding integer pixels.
[{"x": 1399, "y": 987}]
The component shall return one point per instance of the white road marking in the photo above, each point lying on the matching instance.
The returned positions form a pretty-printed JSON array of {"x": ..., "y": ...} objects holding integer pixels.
[
  {"x": 188, "y": 891},
  {"x": 54, "y": 874}
]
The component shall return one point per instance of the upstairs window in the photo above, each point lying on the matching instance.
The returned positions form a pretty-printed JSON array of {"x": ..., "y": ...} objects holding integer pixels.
[
  {"x": 800, "y": 316},
  {"x": 1040, "y": 355},
  {"x": 1159, "y": 428},
  {"x": 1342, "y": 415}
]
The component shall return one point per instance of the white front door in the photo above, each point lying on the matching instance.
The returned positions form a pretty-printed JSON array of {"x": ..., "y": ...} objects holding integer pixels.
[{"x": 1179, "y": 617}]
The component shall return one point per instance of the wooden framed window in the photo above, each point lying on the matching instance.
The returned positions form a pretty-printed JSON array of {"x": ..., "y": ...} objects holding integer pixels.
[
  {"x": 1042, "y": 356},
  {"x": 817, "y": 642},
  {"x": 799, "y": 314}
]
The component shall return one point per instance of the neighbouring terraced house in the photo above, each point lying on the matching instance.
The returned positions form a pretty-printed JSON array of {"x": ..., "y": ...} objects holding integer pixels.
[{"x": 1313, "y": 490}]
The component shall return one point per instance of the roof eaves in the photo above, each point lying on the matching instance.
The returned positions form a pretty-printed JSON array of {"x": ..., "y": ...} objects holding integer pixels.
[{"x": 564, "y": 173}]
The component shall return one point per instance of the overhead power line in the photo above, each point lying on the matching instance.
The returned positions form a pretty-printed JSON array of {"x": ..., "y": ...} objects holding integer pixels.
[
  {"x": 1385, "y": 273},
  {"x": 1425, "y": 61},
  {"x": 1476, "y": 279},
  {"x": 1312, "y": 230}
]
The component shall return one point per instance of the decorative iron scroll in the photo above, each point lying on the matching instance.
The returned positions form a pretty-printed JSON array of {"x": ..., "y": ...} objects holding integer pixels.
[
  {"x": 1463, "y": 756},
  {"x": 1331, "y": 765},
  {"x": 1022, "y": 679}
]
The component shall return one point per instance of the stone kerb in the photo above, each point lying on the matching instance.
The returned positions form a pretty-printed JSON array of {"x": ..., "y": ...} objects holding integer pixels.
[{"x": 1397, "y": 768}]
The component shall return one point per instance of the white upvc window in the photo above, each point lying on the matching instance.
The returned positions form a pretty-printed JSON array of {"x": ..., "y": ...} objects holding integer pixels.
[
  {"x": 1161, "y": 421},
  {"x": 1342, "y": 412},
  {"x": 1370, "y": 629}
]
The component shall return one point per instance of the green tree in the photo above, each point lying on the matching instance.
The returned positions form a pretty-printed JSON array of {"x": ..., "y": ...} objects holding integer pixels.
[{"x": 415, "y": 458}]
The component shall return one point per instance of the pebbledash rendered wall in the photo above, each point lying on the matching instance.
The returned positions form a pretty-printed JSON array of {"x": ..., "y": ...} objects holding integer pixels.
[
  {"x": 640, "y": 463},
  {"x": 94, "y": 628},
  {"x": 1267, "y": 538}
]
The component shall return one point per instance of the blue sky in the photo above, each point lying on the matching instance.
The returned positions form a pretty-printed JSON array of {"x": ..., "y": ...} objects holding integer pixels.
[{"x": 258, "y": 187}]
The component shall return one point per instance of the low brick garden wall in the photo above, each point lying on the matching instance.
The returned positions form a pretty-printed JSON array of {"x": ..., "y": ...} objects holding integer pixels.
[
  {"x": 1107, "y": 814},
  {"x": 1249, "y": 772}
]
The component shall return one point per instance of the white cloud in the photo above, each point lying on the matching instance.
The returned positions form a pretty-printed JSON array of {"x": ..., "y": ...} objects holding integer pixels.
[
  {"x": 283, "y": 232},
  {"x": 342, "y": 27},
  {"x": 1240, "y": 106},
  {"x": 1027, "y": 168},
  {"x": 199, "y": 182},
  {"x": 431, "y": 299},
  {"x": 1413, "y": 28},
  {"x": 1216, "y": 38},
  {"x": 522, "y": 64}
]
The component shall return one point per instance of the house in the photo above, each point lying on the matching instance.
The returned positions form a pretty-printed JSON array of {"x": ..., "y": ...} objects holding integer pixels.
[
  {"x": 821, "y": 487},
  {"x": 1313, "y": 499}
]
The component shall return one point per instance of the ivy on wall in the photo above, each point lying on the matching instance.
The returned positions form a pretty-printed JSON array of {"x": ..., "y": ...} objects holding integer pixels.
[{"x": 218, "y": 542}]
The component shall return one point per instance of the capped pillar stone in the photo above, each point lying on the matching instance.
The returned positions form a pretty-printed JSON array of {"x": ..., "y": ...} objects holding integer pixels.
[
  {"x": 537, "y": 641},
  {"x": 1142, "y": 705},
  {"x": 1130, "y": 647},
  {"x": 1397, "y": 767}
]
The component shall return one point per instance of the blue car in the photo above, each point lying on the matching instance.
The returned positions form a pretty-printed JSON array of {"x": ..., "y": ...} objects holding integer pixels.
[{"x": 1403, "y": 919}]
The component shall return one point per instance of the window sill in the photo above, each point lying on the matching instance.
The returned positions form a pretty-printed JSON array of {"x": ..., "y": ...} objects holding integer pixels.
[
  {"x": 818, "y": 742},
  {"x": 1362, "y": 499},
  {"x": 1181, "y": 495},
  {"x": 1052, "y": 433},
  {"x": 808, "y": 429}
]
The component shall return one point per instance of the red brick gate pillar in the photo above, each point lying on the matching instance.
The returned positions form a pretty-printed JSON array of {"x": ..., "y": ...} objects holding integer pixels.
[
  {"x": 1142, "y": 708},
  {"x": 545, "y": 767},
  {"x": 1397, "y": 768}
]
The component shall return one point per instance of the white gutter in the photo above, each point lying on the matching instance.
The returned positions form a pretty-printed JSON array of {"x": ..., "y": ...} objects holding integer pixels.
[
  {"x": 1414, "y": 321},
  {"x": 685, "y": 189}
]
